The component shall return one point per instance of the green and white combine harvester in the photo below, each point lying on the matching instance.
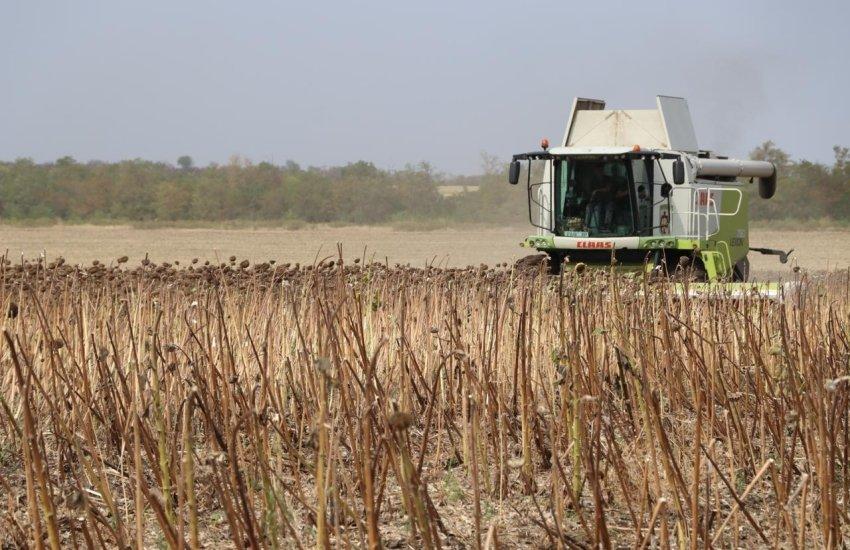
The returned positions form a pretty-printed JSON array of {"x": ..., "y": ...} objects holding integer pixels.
[{"x": 634, "y": 186}]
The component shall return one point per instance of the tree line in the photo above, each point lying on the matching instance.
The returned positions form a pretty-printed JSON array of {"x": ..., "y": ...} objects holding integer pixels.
[
  {"x": 806, "y": 190},
  {"x": 357, "y": 193}
]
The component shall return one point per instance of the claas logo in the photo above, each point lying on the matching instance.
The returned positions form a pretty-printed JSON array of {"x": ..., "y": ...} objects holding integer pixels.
[{"x": 595, "y": 244}]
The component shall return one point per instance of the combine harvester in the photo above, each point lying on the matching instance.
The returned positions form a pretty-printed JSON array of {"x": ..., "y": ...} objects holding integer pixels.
[{"x": 633, "y": 185}]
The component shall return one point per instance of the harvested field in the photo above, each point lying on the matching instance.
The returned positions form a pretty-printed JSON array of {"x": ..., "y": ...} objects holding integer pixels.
[
  {"x": 814, "y": 250},
  {"x": 281, "y": 406}
]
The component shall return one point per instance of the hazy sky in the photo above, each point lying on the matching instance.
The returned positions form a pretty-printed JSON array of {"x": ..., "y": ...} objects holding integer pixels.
[{"x": 397, "y": 82}]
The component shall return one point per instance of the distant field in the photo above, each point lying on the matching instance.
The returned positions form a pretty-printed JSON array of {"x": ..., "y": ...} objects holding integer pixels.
[
  {"x": 452, "y": 190},
  {"x": 815, "y": 250}
]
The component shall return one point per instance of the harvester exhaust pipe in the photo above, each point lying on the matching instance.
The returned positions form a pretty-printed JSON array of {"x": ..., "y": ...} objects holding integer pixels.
[{"x": 764, "y": 171}]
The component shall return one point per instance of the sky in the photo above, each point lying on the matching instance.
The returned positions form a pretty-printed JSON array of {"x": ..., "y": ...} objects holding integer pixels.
[{"x": 397, "y": 83}]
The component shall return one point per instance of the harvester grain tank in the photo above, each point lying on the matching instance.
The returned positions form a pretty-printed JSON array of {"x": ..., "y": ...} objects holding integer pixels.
[{"x": 633, "y": 185}]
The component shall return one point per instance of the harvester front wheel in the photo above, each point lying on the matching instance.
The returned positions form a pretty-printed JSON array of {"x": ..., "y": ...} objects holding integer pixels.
[
  {"x": 550, "y": 261},
  {"x": 687, "y": 268},
  {"x": 741, "y": 271},
  {"x": 556, "y": 260},
  {"x": 532, "y": 263}
]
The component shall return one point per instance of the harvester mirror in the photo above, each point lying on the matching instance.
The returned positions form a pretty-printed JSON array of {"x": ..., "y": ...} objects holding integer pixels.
[
  {"x": 665, "y": 190},
  {"x": 678, "y": 172},
  {"x": 513, "y": 173},
  {"x": 767, "y": 186}
]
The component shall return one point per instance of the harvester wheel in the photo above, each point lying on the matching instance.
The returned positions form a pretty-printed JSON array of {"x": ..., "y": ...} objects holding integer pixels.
[
  {"x": 741, "y": 271},
  {"x": 698, "y": 273},
  {"x": 532, "y": 263},
  {"x": 556, "y": 260},
  {"x": 687, "y": 268}
]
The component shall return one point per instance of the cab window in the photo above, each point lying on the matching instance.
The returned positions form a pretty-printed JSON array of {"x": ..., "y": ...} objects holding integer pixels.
[{"x": 593, "y": 198}]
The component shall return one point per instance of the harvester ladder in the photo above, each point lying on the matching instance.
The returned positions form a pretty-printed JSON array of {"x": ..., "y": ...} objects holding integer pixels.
[{"x": 704, "y": 219}]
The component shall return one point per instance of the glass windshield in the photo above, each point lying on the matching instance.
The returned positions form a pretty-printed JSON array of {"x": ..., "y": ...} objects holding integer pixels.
[{"x": 593, "y": 198}]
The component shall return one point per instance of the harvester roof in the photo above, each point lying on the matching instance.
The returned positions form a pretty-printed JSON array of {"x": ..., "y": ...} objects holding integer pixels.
[
  {"x": 592, "y": 150},
  {"x": 600, "y": 152}
]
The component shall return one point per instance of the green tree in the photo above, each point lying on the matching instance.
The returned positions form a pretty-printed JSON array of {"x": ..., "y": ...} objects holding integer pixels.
[{"x": 185, "y": 162}]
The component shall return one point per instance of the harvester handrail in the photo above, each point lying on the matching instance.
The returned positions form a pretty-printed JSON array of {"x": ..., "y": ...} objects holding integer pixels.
[
  {"x": 723, "y": 190},
  {"x": 700, "y": 216}
]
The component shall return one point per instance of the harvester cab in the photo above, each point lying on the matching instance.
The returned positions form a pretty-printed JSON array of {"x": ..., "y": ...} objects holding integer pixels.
[{"x": 633, "y": 185}]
